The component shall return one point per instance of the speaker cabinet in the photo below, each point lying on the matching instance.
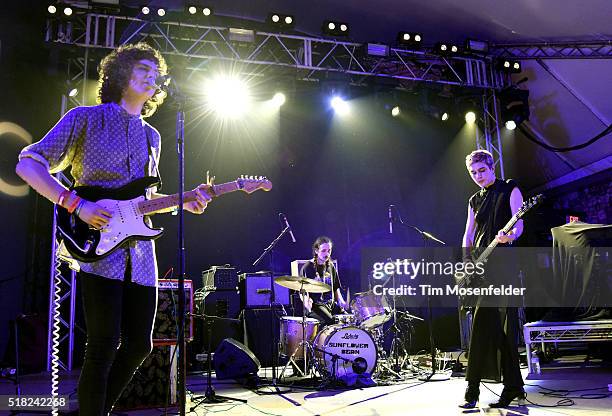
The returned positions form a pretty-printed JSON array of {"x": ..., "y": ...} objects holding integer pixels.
[
  {"x": 165, "y": 329},
  {"x": 233, "y": 359}
]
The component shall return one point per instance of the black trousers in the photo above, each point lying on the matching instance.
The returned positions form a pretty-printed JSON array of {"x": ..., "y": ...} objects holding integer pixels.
[{"x": 119, "y": 317}]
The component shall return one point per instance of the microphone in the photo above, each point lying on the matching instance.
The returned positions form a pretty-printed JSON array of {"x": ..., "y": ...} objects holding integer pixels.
[
  {"x": 284, "y": 218},
  {"x": 391, "y": 219},
  {"x": 162, "y": 81}
]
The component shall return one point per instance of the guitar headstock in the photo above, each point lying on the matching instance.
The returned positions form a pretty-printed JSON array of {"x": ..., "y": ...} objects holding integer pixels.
[
  {"x": 251, "y": 184},
  {"x": 530, "y": 203}
]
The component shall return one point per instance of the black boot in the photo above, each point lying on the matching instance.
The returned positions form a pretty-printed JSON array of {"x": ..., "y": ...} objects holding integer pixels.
[
  {"x": 471, "y": 395},
  {"x": 508, "y": 395}
]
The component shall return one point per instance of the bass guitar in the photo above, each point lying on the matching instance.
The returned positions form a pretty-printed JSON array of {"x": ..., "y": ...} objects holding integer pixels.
[
  {"x": 471, "y": 280},
  {"x": 129, "y": 207}
]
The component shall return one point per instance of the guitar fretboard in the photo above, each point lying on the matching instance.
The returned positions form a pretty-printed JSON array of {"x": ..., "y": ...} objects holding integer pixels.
[{"x": 152, "y": 206}]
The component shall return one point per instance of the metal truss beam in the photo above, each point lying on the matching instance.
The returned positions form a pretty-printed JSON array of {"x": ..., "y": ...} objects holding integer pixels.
[
  {"x": 306, "y": 57},
  {"x": 488, "y": 136},
  {"x": 573, "y": 50}
]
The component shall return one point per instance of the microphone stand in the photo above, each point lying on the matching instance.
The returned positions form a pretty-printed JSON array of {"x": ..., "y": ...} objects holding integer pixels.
[
  {"x": 180, "y": 102},
  {"x": 427, "y": 238},
  {"x": 210, "y": 396},
  {"x": 273, "y": 388}
]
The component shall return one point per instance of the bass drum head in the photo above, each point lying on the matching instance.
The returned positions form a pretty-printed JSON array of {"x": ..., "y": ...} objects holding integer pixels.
[{"x": 348, "y": 342}]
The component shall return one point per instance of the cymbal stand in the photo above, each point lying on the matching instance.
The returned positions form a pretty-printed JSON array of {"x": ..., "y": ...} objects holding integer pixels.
[{"x": 304, "y": 344}]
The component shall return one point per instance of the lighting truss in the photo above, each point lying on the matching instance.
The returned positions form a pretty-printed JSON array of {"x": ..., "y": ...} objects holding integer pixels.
[
  {"x": 488, "y": 134},
  {"x": 305, "y": 56},
  {"x": 572, "y": 50}
]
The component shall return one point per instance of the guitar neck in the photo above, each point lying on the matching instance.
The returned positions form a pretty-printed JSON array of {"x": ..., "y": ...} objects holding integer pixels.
[
  {"x": 487, "y": 251},
  {"x": 152, "y": 206}
]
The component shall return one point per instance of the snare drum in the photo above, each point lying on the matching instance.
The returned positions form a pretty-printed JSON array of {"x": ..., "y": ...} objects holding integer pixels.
[
  {"x": 291, "y": 333},
  {"x": 350, "y": 342},
  {"x": 370, "y": 310},
  {"x": 344, "y": 319}
]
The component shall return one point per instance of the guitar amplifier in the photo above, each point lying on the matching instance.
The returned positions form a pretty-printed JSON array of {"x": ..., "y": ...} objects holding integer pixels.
[
  {"x": 220, "y": 277},
  {"x": 256, "y": 291},
  {"x": 165, "y": 329}
]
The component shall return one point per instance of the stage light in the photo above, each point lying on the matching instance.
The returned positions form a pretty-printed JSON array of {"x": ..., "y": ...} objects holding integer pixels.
[
  {"x": 514, "y": 105},
  {"x": 444, "y": 48},
  {"x": 395, "y": 111},
  {"x": 510, "y": 125},
  {"x": 377, "y": 49},
  {"x": 161, "y": 12},
  {"x": 51, "y": 9},
  {"x": 334, "y": 28},
  {"x": 477, "y": 46},
  {"x": 145, "y": 10},
  {"x": 228, "y": 96},
  {"x": 444, "y": 116},
  {"x": 279, "y": 20},
  {"x": 67, "y": 11},
  {"x": 241, "y": 35},
  {"x": 73, "y": 92},
  {"x": 192, "y": 10},
  {"x": 470, "y": 117},
  {"x": 339, "y": 105},
  {"x": 206, "y": 11},
  {"x": 509, "y": 66},
  {"x": 278, "y": 99}
]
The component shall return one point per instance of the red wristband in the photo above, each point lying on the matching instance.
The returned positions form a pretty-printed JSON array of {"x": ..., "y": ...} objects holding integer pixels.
[
  {"x": 74, "y": 204},
  {"x": 63, "y": 196}
]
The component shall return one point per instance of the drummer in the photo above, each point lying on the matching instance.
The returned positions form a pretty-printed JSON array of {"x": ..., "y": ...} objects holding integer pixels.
[{"x": 321, "y": 306}]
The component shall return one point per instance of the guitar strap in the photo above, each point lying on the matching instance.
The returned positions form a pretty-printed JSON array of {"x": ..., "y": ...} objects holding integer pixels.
[{"x": 151, "y": 157}]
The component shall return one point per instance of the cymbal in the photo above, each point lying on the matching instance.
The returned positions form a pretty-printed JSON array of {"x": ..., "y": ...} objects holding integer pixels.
[{"x": 299, "y": 282}]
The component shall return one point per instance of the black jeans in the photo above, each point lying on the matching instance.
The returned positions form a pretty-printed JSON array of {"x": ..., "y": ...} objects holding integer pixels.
[{"x": 119, "y": 318}]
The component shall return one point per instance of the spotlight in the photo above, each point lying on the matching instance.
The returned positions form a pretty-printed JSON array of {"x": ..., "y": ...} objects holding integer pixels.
[
  {"x": 395, "y": 111},
  {"x": 509, "y": 66},
  {"x": 73, "y": 92},
  {"x": 278, "y": 99},
  {"x": 281, "y": 21},
  {"x": 409, "y": 39},
  {"x": 444, "y": 48},
  {"x": 444, "y": 116},
  {"x": 229, "y": 97},
  {"x": 510, "y": 125},
  {"x": 334, "y": 28},
  {"x": 470, "y": 117},
  {"x": 195, "y": 11},
  {"x": 161, "y": 12},
  {"x": 514, "y": 106},
  {"x": 51, "y": 9},
  {"x": 339, "y": 105},
  {"x": 68, "y": 11},
  {"x": 145, "y": 10}
]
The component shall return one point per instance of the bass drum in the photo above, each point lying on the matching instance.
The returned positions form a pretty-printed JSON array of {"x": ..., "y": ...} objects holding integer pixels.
[{"x": 350, "y": 342}]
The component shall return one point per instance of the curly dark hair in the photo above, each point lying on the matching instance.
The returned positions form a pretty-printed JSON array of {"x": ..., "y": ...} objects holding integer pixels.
[{"x": 115, "y": 71}]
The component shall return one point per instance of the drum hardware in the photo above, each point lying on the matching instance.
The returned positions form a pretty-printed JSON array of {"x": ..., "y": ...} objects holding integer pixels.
[
  {"x": 303, "y": 285},
  {"x": 359, "y": 365}
]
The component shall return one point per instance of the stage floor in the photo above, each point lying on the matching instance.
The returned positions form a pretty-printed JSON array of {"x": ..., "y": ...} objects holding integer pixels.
[{"x": 411, "y": 397}]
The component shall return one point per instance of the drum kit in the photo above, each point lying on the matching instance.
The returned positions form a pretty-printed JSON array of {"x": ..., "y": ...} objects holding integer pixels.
[{"x": 348, "y": 348}]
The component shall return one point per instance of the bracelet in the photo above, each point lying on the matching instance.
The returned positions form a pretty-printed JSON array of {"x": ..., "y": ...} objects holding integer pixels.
[
  {"x": 63, "y": 195},
  {"x": 77, "y": 211},
  {"x": 74, "y": 204}
]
